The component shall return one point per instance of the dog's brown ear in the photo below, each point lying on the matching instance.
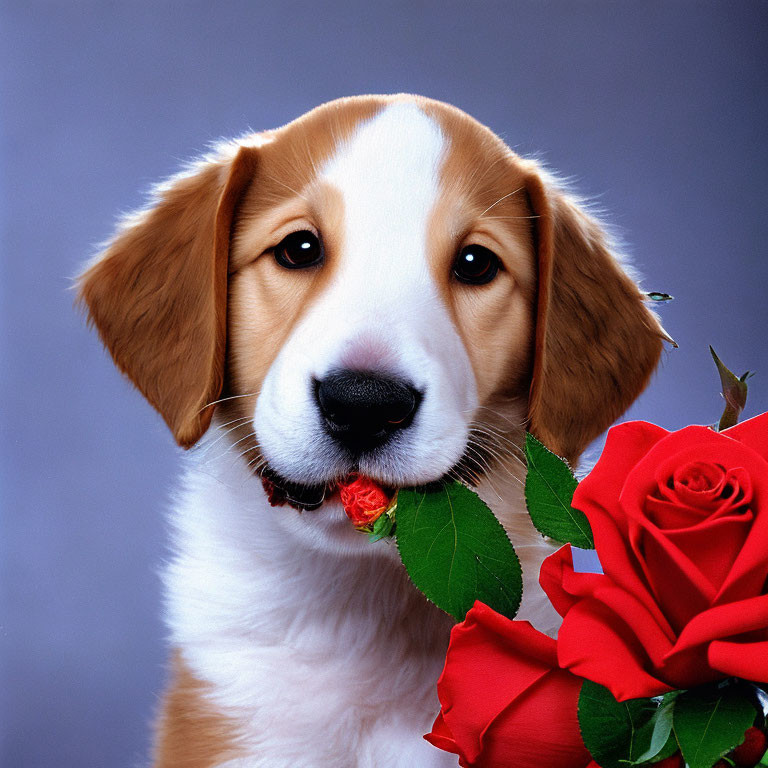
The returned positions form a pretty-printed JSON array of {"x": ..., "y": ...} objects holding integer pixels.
[
  {"x": 158, "y": 293},
  {"x": 597, "y": 342}
]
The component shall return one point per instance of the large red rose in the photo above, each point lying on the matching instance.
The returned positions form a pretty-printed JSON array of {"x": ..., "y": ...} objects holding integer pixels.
[
  {"x": 681, "y": 529},
  {"x": 505, "y": 703}
]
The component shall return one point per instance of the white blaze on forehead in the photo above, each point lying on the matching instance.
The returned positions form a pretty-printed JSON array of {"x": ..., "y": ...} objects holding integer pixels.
[{"x": 388, "y": 175}]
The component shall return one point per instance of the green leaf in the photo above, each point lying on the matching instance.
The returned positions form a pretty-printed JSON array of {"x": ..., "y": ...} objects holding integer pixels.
[
  {"x": 734, "y": 393},
  {"x": 669, "y": 749},
  {"x": 614, "y": 732},
  {"x": 549, "y": 487},
  {"x": 456, "y": 551},
  {"x": 658, "y": 731},
  {"x": 383, "y": 527},
  {"x": 710, "y": 724}
]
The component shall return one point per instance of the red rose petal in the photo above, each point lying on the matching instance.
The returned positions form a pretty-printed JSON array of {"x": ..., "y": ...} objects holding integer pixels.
[
  {"x": 364, "y": 500},
  {"x": 625, "y": 445},
  {"x": 724, "y": 621},
  {"x": 505, "y": 703},
  {"x": 747, "y": 660},
  {"x": 753, "y": 432},
  {"x": 687, "y": 446},
  {"x": 718, "y": 527},
  {"x": 593, "y": 642},
  {"x": 566, "y": 588},
  {"x": 539, "y": 728},
  {"x": 664, "y": 563},
  {"x": 563, "y": 586},
  {"x": 441, "y": 737},
  {"x": 699, "y": 477},
  {"x": 681, "y": 529},
  {"x": 676, "y": 563},
  {"x": 484, "y": 643}
]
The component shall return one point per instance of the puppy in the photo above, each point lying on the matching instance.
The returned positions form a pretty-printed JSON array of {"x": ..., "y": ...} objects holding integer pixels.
[{"x": 379, "y": 287}]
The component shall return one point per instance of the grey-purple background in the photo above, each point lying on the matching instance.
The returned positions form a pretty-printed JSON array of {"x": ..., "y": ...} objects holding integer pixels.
[{"x": 657, "y": 109}]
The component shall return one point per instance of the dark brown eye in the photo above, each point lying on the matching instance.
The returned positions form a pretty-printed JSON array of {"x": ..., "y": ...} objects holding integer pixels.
[
  {"x": 299, "y": 250},
  {"x": 475, "y": 265}
]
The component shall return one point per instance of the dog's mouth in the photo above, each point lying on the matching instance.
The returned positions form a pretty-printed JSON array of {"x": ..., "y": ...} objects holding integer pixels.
[
  {"x": 307, "y": 497},
  {"x": 478, "y": 459},
  {"x": 281, "y": 491},
  {"x": 302, "y": 497}
]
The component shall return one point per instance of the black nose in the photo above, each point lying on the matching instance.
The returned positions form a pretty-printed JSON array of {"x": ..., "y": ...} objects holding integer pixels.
[{"x": 362, "y": 410}]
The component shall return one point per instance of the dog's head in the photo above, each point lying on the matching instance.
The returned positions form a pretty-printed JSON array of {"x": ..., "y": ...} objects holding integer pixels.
[{"x": 381, "y": 286}]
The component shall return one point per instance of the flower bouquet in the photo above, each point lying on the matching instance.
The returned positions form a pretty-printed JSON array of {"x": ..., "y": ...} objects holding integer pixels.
[{"x": 662, "y": 585}]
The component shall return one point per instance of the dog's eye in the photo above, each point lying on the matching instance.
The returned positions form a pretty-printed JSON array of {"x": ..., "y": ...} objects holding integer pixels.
[
  {"x": 298, "y": 250},
  {"x": 475, "y": 265}
]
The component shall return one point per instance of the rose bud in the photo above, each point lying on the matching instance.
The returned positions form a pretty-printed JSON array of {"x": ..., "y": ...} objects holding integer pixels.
[
  {"x": 364, "y": 500},
  {"x": 505, "y": 702},
  {"x": 749, "y": 752}
]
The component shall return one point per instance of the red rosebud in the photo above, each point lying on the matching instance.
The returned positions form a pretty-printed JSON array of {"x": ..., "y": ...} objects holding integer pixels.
[
  {"x": 749, "y": 752},
  {"x": 505, "y": 702},
  {"x": 363, "y": 499}
]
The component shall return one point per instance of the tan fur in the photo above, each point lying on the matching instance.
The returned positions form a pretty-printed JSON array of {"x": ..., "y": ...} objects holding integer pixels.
[
  {"x": 190, "y": 732},
  {"x": 597, "y": 342},
  {"x": 158, "y": 294},
  {"x": 483, "y": 202}
]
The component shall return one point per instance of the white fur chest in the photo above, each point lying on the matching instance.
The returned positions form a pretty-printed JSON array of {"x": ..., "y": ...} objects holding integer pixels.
[{"x": 314, "y": 654}]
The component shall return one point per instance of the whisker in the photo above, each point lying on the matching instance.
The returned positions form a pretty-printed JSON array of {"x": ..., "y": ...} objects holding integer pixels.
[
  {"x": 230, "y": 397},
  {"x": 497, "y": 446},
  {"x": 231, "y": 446},
  {"x": 500, "y": 446},
  {"x": 501, "y": 457},
  {"x": 514, "y": 192},
  {"x": 485, "y": 468},
  {"x": 289, "y": 188},
  {"x": 232, "y": 421},
  {"x": 243, "y": 421},
  {"x": 503, "y": 440},
  {"x": 498, "y": 413},
  {"x": 247, "y": 450},
  {"x": 258, "y": 464},
  {"x": 501, "y": 218},
  {"x": 487, "y": 453},
  {"x": 477, "y": 177}
]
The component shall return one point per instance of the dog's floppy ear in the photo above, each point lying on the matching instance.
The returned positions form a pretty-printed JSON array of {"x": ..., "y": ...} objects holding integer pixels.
[
  {"x": 597, "y": 342},
  {"x": 158, "y": 293}
]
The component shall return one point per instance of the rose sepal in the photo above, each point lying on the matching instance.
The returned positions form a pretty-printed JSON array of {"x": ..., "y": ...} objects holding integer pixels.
[{"x": 384, "y": 525}]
